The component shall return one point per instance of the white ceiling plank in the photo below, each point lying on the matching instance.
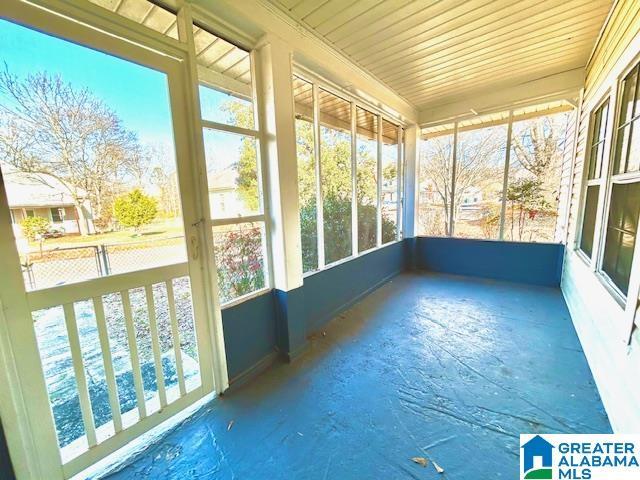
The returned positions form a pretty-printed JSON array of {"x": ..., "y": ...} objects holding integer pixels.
[
  {"x": 527, "y": 36},
  {"x": 549, "y": 45},
  {"x": 328, "y": 25},
  {"x": 330, "y": 10}
]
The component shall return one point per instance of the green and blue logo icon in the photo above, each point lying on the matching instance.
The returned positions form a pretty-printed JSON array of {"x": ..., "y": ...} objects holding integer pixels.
[{"x": 537, "y": 459}]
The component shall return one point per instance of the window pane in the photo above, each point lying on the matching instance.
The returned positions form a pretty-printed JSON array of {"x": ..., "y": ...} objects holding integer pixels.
[
  {"x": 622, "y": 228},
  {"x": 389, "y": 181},
  {"x": 599, "y": 127},
  {"x": 227, "y": 108},
  {"x": 367, "y": 178},
  {"x": 225, "y": 71},
  {"x": 145, "y": 13},
  {"x": 303, "y": 96},
  {"x": 102, "y": 196},
  {"x": 240, "y": 258},
  {"x": 479, "y": 181},
  {"x": 335, "y": 162},
  {"x": 233, "y": 174},
  {"x": 436, "y": 161},
  {"x": 628, "y": 96},
  {"x": 534, "y": 178},
  {"x": 589, "y": 222},
  {"x": 633, "y": 162}
]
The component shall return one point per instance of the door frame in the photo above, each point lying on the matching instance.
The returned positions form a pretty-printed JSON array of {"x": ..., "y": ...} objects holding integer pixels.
[{"x": 24, "y": 405}]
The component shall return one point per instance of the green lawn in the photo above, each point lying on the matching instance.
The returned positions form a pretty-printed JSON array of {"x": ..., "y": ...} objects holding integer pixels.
[{"x": 155, "y": 231}]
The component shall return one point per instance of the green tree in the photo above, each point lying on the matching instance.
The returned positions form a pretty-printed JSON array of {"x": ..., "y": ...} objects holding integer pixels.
[
  {"x": 34, "y": 226},
  {"x": 135, "y": 209}
]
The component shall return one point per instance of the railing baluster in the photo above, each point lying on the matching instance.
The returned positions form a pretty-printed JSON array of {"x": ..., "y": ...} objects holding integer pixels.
[
  {"x": 155, "y": 345},
  {"x": 175, "y": 334},
  {"x": 81, "y": 378},
  {"x": 112, "y": 386},
  {"x": 133, "y": 349}
]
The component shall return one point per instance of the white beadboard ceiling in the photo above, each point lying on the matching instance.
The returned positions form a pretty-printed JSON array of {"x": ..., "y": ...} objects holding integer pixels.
[
  {"x": 434, "y": 52},
  {"x": 212, "y": 53}
]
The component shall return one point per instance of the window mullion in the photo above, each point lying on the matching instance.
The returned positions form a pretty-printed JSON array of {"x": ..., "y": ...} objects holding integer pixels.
[
  {"x": 398, "y": 184},
  {"x": 379, "y": 186},
  {"x": 318, "y": 168},
  {"x": 454, "y": 161},
  {"x": 505, "y": 178},
  {"x": 354, "y": 183},
  {"x": 230, "y": 128}
]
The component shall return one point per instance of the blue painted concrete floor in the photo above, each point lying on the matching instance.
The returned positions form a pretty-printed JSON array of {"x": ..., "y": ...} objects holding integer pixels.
[{"x": 444, "y": 367}]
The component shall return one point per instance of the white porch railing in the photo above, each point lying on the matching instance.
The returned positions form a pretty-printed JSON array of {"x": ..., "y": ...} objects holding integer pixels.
[{"x": 99, "y": 441}]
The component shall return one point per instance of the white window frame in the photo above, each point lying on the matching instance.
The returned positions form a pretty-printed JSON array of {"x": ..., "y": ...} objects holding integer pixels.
[
  {"x": 316, "y": 83},
  {"x": 263, "y": 191},
  {"x": 507, "y": 161},
  {"x": 31, "y": 435},
  {"x": 601, "y": 182},
  {"x": 625, "y": 300}
]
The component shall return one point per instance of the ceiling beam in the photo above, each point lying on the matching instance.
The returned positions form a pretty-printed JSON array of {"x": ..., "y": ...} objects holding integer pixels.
[{"x": 559, "y": 86}]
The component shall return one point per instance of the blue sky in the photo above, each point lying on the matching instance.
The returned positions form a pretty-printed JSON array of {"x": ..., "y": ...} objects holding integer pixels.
[{"x": 138, "y": 94}]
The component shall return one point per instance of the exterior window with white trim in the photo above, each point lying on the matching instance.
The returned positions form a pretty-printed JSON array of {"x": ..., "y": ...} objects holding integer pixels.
[
  {"x": 234, "y": 169},
  {"x": 350, "y": 170},
  {"x": 390, "y": 166},
  {"x": 594, "y": 176},
  {"x": 336, "y": 180},
  {"x": 624, "y": 180},
  {"x": 367, "y": 178},
  {"x": 307, "y": 178}
]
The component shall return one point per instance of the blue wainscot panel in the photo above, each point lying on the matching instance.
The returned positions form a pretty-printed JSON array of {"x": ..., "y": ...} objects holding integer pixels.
[
  {"x": 330, "y": 291},
  {"x": 533, "y": 263},
  {"x": 249, "y": 333}
]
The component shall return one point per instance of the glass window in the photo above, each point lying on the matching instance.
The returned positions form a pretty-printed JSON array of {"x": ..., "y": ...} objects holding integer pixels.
[
  {"x": 125, "y": 204},
  {"x": 435, "y": 182},
  {"x": 335, "y": 162},
  {"x": 389, "y": 193},
  {"x": 307, "y": 188},
  {"x": 622, "y": 229},
  {"x": 594, "y": 176},
  {"x": 533, "y": 192},
  {"x": 479, "y": 181},
  {"x": 221, "y": 107},
  {"x": 240, "y": 259},
  {"x": 145, "y": 13},
  {"x": 589, "y": 222},
  {"x": 367, "y": 178},
  {"x": 233, "y": 174},
  {"x": 57, "y": 215},
  {"x": 624, "y": 207}
]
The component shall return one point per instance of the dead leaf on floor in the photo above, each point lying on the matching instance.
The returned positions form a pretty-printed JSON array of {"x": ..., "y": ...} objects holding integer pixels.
[
  {"x": 230, "y": 425},
  {"x": 420, "y": 461},
  {"x": 438, "y": 468}
]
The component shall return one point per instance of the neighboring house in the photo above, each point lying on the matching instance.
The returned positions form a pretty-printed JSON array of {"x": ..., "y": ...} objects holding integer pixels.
[
  {"x": 30, "y": 197},
  {"x": 224, "y": 200}
]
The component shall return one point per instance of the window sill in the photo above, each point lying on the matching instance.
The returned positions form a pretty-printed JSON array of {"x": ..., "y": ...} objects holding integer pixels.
[
  {"x": 244, "y": 298},
  {"x": 349, "y": 258},
  {"x": 606, "y": 282}
]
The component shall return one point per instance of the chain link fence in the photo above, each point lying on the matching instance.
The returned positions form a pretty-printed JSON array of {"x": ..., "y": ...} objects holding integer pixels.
[{"x": 59, "y": 266}]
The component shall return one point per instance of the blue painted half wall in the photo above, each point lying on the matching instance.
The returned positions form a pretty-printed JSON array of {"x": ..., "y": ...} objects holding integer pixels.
[{"x": 534, "y": 263}]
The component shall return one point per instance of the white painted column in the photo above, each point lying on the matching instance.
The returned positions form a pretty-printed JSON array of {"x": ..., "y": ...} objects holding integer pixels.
[
  {"x": 411, "y": 166},
  {"x": 277, "y": 124}
]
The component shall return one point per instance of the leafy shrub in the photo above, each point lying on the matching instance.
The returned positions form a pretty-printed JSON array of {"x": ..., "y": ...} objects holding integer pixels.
[
  {"x": 34, "y": 226},
  {"x": 135, "y": 209}
]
